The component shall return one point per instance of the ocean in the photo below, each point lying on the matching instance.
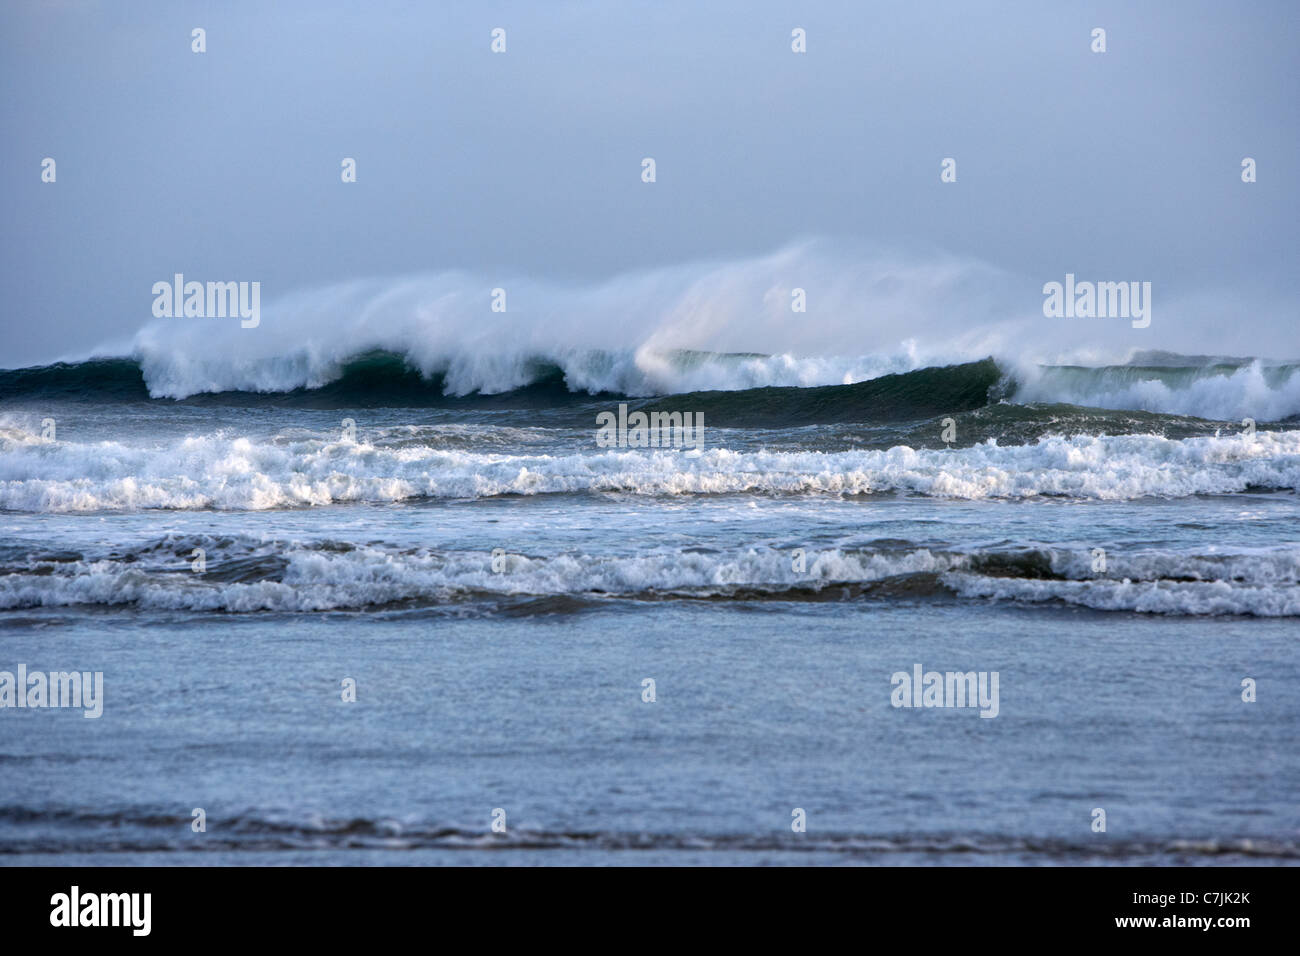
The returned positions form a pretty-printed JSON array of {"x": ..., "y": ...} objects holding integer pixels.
[{"x": 375, "y": 613}]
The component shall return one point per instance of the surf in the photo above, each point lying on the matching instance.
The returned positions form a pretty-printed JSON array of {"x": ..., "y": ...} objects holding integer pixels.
[{"x": 1216, "y": 390}]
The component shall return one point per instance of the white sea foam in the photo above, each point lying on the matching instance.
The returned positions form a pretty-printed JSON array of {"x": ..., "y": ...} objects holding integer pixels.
[
  {"x": 298, "y": 577},
  {"x": 317, "y": 580},
  {"x": 1261, "y": 582},
  {"x": 626, "y": 334},
  {"x": 1251, "y": 391},
  {"x": 1276, "y": 567},
  {"x": 1154, "y": 597},
  {"x": 221, "y": 472}
]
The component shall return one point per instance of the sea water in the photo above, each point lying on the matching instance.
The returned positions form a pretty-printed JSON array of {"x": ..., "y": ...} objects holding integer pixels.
[{"x": 339, "y": 643}]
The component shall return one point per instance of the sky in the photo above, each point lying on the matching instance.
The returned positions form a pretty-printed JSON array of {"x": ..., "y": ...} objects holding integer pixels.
[{"x": 524, "y": 168}]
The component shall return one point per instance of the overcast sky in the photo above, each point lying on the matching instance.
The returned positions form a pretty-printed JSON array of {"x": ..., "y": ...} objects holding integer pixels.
[{"x": 226, "y": 165}]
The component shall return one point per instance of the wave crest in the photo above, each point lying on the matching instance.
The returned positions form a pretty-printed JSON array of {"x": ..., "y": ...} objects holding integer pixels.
[
  {"x": 246, "y": 574},
  {"x": 300, "y": 468}
]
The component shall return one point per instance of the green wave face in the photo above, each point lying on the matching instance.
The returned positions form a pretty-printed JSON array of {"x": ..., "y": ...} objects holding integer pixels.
[
  {"x": 982, "y": 397},
  {"x": 909, "y": 396}
]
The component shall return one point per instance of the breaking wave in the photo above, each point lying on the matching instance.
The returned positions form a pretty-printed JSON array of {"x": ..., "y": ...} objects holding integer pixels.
[
  {"x": 247, "y": 574},
  {"x": 301, "y": 468},
  {"x": 725, "y": 325},
  {"x": 750, "y": 390}
]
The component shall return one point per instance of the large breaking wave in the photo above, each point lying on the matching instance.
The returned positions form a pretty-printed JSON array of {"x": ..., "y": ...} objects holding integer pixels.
[
  {"x": 763, "y": 390},
  {"x": 727, "y": 325}
]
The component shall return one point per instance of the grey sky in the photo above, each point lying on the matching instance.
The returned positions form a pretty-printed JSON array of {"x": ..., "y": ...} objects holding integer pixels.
[{"x": 225, "y": 165}]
